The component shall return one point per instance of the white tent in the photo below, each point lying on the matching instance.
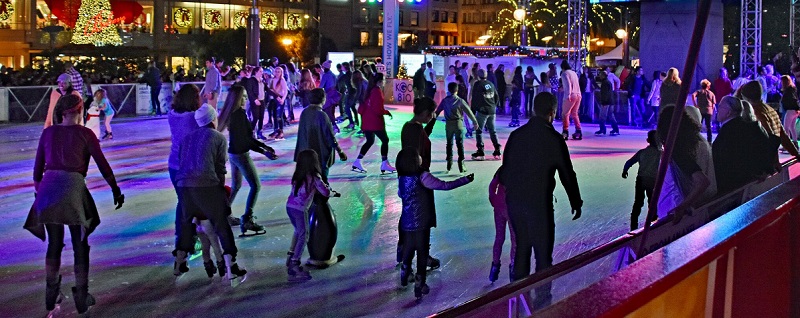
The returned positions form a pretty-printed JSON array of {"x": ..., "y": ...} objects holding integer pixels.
[{"x": 616, "y": 54}]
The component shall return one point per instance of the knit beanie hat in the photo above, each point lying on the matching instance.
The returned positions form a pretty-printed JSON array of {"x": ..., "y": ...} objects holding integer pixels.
[
  {"x": 205, "y": 115},
  {"x": 64, "y": 78}
]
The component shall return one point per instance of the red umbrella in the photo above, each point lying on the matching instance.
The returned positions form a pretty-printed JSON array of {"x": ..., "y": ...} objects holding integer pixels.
[{"x": 126, "y": 10}]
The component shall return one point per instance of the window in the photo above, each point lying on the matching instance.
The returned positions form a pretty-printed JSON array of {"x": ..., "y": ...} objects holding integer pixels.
[
  {"x": 380, "y": 38},
  {"x": 364, "y": 17},
  {"x": 444, "y": 16},
  {"x": 414, "y": 18},
  {"x": 454, "y": 17},
  {"x": 400, "y": 18},
  {"x": 380, "y": 17},
  {"x": 435, "y": 17},
  {"x": 465, "y": 18},
  {"x": 364, "y": 38}
]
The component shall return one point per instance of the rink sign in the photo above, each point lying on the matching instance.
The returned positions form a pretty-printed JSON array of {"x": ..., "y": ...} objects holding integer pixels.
[{"x": 402, "y": 92}]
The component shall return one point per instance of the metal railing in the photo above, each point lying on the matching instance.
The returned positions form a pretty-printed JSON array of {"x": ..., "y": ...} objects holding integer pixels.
[{"x": 30, "y": 103}]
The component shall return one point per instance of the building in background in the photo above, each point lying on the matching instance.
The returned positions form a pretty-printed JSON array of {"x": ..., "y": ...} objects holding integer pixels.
[{"x": 477, "y": 17}]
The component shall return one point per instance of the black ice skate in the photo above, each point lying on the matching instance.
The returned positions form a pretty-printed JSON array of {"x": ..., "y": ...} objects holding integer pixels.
[
  {"x": 601, "y": 132},
  {"x": 478, "y": 155},
  {"x": 578, "y": 135},
  {"x": 233, "y": 221},
  {"x": 420, "y": 288},
  {"x": 406, "y": 275},
  {"x": 494, "y": 272},
  {"x": 180, "y": 266},
  {"x": 53, "y": 295},
  {"x": 461, "y": 167},
  {"x": 210, "y": 269},
  {"x": 248, "y": 225},
  {"x": 565, "y": 134},
  {"x": 449, "y": 165},
  {"x": 233, "y": 273},
  {"x": 496, "y": 154},
  {"x": 433, "y": 263},
  {"x": 83, "y": 300},
  {"x": 614, "y": 133},
  {"x": 297, "y": 273}
]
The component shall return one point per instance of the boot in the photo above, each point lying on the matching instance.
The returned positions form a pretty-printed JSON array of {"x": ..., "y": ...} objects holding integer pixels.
[
  {"x": 53, "y": 294},
  {"x": 386, "y": 167},
  {"x": 614, "y": 132},
  {"x": 478, "y": 155},
  {"x": 496, "y": 154},
  {"x": 232, "y": 269},
  {"x": 601, "y": 132},
  {"x": 279, "y": 135},
  {"x": 289, "y": 258},
  {"x": 578, "y": 135},
  {"x": 461, "y": 167},
  {"x": 494, "y": 272},
  {"x": 248, "y": 224},
  {"x": 405, "y": 273},
  {"x": 233, "y": 221},
  {"x": 565, "y": 134},
  {"x": 420, "y": 288},
  {"x": 261, "y": 136},
  {"x": 210, "y": 269},
  {"x": 83, "y": 300},
  {"x": 180, "y": 266},
  {"x": 357, "y": 167},
  {"x": 297, "y": 273},
  {"x": 449, "y": 164},
  {"x": 433, "y": 263}
]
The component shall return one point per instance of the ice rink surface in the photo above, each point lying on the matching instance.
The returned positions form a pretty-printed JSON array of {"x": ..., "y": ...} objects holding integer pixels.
[{"x": 131, "y": 263}]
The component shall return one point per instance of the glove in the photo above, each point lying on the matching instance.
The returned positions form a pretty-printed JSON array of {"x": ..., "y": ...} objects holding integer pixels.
[
  {"x": 336, "y": 194},
  {"x": 624, "y": 175},
  {"x": 119, "y": 198},
  {"x": 577, "y": 213},
  {"x": 471, "y": 177},
  {"x": 270, "y": 153},
  {"x": 342, "y": 156}
]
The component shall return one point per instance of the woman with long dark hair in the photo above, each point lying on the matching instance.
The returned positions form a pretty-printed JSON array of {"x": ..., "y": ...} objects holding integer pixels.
[
  {"x": 234, "y": 119},
  {"x": 59, "y": 173},
  {"x": 516, "y": 99},
  {"x": 530, "y": 89},
  {"x": 372, "y": 124},
  {"x": 360, "y": 86},
  {"x": 305, "y": 86}
]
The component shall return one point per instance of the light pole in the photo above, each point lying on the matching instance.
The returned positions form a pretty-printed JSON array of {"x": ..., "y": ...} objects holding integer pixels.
[
  {"x": 547, "y": 40},
  {"x": 319, "y": 32},
  {"x": 622, "y": 34},
  {"x": 253, "y": 36},
  {"x": 519, "y": 15}
]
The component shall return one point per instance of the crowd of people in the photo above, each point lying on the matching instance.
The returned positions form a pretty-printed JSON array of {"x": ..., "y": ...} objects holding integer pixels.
[{"x": 521, "y": 191}]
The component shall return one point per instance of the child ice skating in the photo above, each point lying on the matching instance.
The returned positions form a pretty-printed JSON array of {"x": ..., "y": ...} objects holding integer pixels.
[
  {"x": 93, "y": 119},
  {"x": 497, "y": 197},
  {"x": 306, "y": 182},
  {"x": 418, "y": 215},
  {"x": 104, "y": 105},
  {"x": 648, "y": 159}
]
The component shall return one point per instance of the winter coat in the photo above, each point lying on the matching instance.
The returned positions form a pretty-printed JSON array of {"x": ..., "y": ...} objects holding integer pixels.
[{"x": 372, "y": 112}]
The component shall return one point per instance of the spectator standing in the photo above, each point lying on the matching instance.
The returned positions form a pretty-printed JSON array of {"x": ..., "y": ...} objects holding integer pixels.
[
  {"x": 637, "y": 87},
  {"x": 419, "y": 82},
  {"x": 705, "y": 100},
  {"x": 430, "y": 80},
  {"x": 767, "y": 116},
  {"x": 77, "y": 79},
  {"x": 530, "y": 90},
  {"x": 790, "y": 106},
  {"x": 153, "y": 79},
  {"x": 654, "y": 99},
  {"x": 213, "y": 85}
]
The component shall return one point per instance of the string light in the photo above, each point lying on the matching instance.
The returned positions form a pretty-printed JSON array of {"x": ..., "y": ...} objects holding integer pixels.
[
  {"x": 495, "y": 51},
  {"x": 240, "y": 19},
  {"x": 9, "y": 10},
  {"x": 182, "y": 17},
  {"x": 213, "y": 18},
  {"x": 269, "y": 20},
  {"x": 96, "y": 24}
]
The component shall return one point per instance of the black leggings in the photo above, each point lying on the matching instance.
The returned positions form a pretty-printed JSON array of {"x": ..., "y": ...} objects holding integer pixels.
[
  {"x": 419, "y": 242},
  {"x": 529, "y": 93},
  {"x": 55, "y": 244},
  {"x": 371, "y": 140},
  {"x": 257, "y": 113}
]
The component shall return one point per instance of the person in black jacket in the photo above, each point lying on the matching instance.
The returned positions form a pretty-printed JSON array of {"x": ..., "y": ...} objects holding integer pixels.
[
  {"x": 606, "y": 104},
  {"x": 743, "y": 151},
  {"x": 534, "y": 153},
  {"x": 484, "y": 104},
  {"x": 234, "y": 119},
  {"x": 256, "y": 109},
  {"x": 502, "y": 87},
  {"x": 153, "y": 79},
  {"x": 419, "y": 83}
]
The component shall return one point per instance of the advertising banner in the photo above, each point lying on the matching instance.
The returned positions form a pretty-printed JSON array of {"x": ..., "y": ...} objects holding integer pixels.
[{"x": 391, "y": 27}]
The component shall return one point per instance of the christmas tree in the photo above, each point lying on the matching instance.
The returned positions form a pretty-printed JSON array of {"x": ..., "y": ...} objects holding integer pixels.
[
  {"x": 402, "y": 72},
  {"x": 96, "y": 24}
]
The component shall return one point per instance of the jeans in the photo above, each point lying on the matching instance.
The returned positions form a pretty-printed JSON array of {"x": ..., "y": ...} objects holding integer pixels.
[
  {"x": 529, "y": 94},
  {"x": 607, "y": 114},
  {"x": 178, "y": 210},
  {"x": 352, "y": 113},
  {"x": 500, "y": 224},
  {"x": 154, "y": 91},
  {"x": 277, "y": 115},
  {"x": 571, "y": 105},
  {"x": 257, "y": 116},
  {"x": 80, "y": 247},
  {"x": 707, "y": 120},
  {"x": 299, "y": 220},
  {"x": 210, "y": 203},
  {"x": 419, "y": 242},
  {"x": 486, "y": 121},
  {"x": 637, "y": 105},
  {"x": 644, "y": 186},
  {"x": 289, "y": 105},
  {"x": 242, "y": 164},
  {"x": 370, "y": 135},
  {"x": 534, "y": 227},
  {"x": 454, "y": 130}
]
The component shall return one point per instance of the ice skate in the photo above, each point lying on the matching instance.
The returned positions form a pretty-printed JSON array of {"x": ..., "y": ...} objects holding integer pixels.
[
  {"x": 279, "y": 136},
  {"x": 614, "y": 133},
  {"x": 386, "y": 167},
  {"x": 420, "y": 288},
  {"x": 349, "y": 127},
  {"x": 233, "y": 274},
  {"x": 449, "y": 165},
  {"x": 289, "y": 258},
  {"x": 248, "y": 225},
  {"x": 433, "y": 263},
  {"x": 478, "y": 155},
  {"x": 578, "y": 135},
  {"x": 406, "y": 275},
  {"x": 601, "y": 132},
  {"x": 180, "y": 266},
  {"x": 325, "y": 264},
  {"x": 297, "y": 273},
  {"x": 468, "y": 135},
  {"x": 273, "y": 134},
  {"x": 494, "y": 272},
  {"x": 53, "y": 295},
  {"x": 83, "y": 300},
  {"x": 233, "y": 221},
  {"x": 496, "y": 154},
  {"x": 357, "y": 167},
  {"x": 261, "y": 136},
  {"x": 461, "y": 167},
  {"x": 565, "y": 134},
  {"x": 210, "y": 268}
]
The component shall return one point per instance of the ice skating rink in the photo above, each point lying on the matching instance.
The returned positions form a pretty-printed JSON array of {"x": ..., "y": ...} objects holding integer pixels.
[{"x": 131, "y": 263}]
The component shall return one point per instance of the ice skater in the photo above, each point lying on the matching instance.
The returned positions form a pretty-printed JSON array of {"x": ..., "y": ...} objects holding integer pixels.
[
  {"x": 455, "y": 110},
  {"x": 201, "y": 188},
  {"x": 484, "y": 103},
  {"x": 418, "y": 215},
  {"x": 103, "y": 104},
  {"x": 306, "y": 183},
  {"x": 59, "y": 173},
  {"x": 497, "y": 197},
  {"x": 648, "y": 159},
  {"x": 571, "y": 101},
  {"x": 93, "y": 119},
  {"x": 234, "y": 118},
  {"x": 373, "y": 125}
]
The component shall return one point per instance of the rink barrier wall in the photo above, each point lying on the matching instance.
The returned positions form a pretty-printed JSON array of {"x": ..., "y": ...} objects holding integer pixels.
[{"x": 615, "y": 259}]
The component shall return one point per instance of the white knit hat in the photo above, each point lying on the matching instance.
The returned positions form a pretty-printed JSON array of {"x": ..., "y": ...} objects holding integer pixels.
[{"x": 205, "y": 115}]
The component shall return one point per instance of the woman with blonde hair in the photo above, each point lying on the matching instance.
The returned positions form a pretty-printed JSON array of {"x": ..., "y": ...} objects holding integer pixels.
[
  {"x": 790, "y": 106},
  {"x": 670, "y": 87},
  {"x": 705, "y": 101}
]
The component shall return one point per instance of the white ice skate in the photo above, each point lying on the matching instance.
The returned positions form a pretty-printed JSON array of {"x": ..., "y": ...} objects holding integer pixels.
[
  {"x": 357, "y": 167},
  {"x": 386, "y": 167},
  {"x": 234, "y": 275},
  {"x": 93, "y": 120}
]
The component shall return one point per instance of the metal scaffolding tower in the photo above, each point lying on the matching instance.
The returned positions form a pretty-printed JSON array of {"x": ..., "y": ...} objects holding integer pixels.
[
  {"x": 794, "y": 24},
  {"x": 577, "y": 37},
  {"x": 750, "y": 38}
]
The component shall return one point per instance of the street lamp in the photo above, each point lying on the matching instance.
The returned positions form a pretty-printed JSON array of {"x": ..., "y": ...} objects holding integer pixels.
[
  {"x": 622, "y": 34},
  {"x": 547, "y": 40},
  {"x": 519, "y": 15},
  {"x": 287, "y": 41},
  {"x": 319, "y": 32}
]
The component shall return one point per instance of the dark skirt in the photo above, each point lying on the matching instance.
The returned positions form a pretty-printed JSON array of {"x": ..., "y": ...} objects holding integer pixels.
[{"x": 63, "y": 198}]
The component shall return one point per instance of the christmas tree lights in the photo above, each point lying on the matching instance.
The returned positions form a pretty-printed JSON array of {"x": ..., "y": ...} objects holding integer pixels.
[
  {"x": 96, "y": 24},
  {"x": 6, "y": 10}
]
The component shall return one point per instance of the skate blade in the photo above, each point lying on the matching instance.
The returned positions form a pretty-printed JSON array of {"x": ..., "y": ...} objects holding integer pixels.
[
  {"x": 252, "y": 234},
  {"x": 354, "y": 169},
  {"x": 236, "y": 281},
  {"x": 479, "y": 158},
  {"x": 387, "y": 171}
]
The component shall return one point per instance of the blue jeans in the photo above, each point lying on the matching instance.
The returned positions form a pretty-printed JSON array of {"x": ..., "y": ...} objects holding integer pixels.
[
  {"x": 486, "y": 121},
  {"x": 299, "y": 221},
  {"x": 172, "y": 174},
  {"x": 242, "y": 164}
]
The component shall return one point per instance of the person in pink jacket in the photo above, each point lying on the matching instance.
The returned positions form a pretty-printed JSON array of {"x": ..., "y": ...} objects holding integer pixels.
[
  {"x": 373, "y": 124},
  {"x": 497, "y": 197}
]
